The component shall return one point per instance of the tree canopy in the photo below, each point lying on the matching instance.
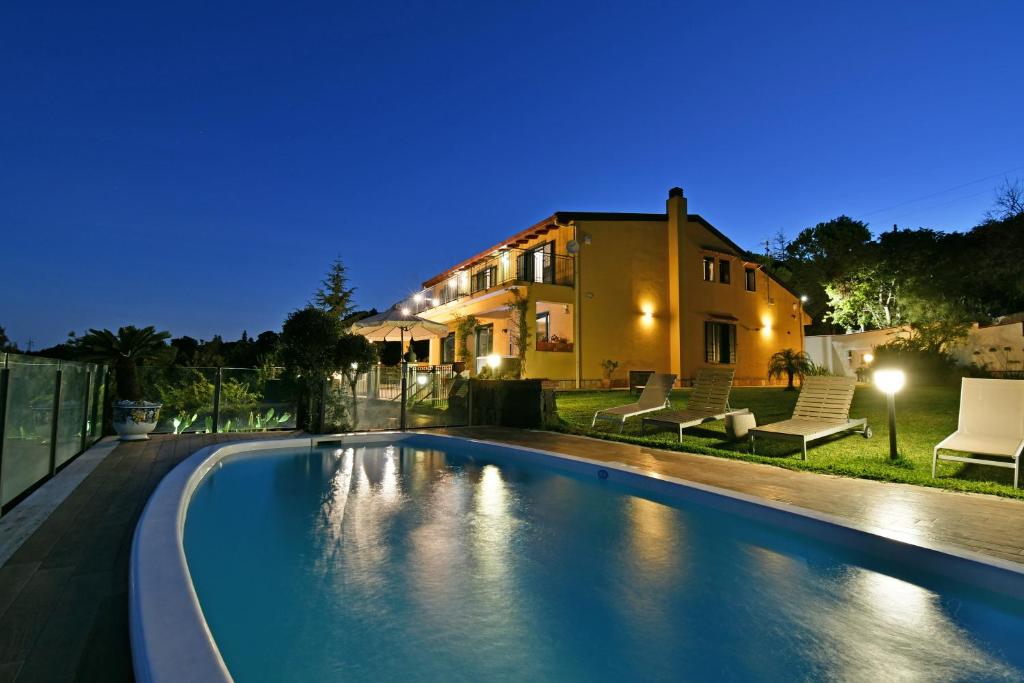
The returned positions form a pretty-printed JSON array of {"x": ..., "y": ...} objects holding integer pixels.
[{"x": 334, "y": 295}]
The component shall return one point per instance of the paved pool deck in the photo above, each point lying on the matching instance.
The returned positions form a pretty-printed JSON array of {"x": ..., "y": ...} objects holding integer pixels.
[{"x": 64, "y": 591}]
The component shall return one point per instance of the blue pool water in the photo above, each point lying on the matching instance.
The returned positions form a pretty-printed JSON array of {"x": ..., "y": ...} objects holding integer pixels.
[{"x": 409, "y": 563}]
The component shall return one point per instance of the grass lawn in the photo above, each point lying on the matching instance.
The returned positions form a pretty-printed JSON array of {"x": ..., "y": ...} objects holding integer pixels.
[{"x": 924, "y": 416}]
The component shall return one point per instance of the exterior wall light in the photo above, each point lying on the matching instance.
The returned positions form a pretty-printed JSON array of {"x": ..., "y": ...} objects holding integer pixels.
[
  {"x": 406, "y": 310},
  {"x": 494, "y": 361},
  {"x": 869, "y": 358},
  {"x": 890, "y": 382},
  {"x": 647, "y": 315}
]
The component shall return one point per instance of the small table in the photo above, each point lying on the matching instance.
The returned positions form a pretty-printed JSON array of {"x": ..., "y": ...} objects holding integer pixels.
[{"x": 738, "y": 424}]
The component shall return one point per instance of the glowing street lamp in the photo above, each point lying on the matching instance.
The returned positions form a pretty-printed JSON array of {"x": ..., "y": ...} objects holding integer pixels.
[{"x": 891, "y": 381}]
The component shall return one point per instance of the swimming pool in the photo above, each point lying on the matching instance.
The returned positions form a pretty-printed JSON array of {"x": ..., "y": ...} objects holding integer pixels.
[{"x": 422, "y": 557}]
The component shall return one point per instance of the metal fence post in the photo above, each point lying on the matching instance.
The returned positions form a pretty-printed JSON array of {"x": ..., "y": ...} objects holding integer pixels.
[
  {"x": 5, "y": 378},
  {"x": 469, "y": 402},
  {"x": 85, "y": 410},
  {"x": 405, "y": 383},
  {"x": 56, "y": 420},
  {"x": 216, "y": 400}
]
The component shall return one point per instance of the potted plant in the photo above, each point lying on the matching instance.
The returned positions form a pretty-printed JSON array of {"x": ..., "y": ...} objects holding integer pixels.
[
  {"x": 133, "y": 417},
  {"x": 609, "y": 369}
]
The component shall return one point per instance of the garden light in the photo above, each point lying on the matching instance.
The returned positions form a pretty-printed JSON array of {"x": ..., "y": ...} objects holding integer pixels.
[
  {"x": 891, "y": 381},
  {"x": 422, "y": 380},
  {"x": 494, "y": 361}
]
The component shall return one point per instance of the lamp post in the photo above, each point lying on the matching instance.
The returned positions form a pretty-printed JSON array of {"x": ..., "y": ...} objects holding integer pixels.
[
  {"x": 890, "y": 381},
  {"x": 800, "y": 322}
]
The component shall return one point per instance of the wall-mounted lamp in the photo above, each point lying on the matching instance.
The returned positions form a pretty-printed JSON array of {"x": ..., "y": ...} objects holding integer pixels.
[
  {"x": 869, "y": 358},
  {"x": 494, "y": 361},
  {"x": 406, "y": 310}
]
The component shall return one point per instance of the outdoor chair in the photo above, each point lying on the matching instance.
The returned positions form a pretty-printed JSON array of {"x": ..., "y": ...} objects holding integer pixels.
[
  {"x": 654, "y": 397},
  {"x": 822, "y": 409},
  {"x": 991, "y": 423},
  {"x": 709, "y": 402}
]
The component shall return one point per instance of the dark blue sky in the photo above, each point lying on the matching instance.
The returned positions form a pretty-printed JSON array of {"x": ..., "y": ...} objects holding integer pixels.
[{"x": 196, "y": 166}]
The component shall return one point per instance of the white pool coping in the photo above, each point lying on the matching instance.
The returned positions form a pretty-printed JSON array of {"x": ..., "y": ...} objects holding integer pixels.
[{"x": 171, "y": 640}]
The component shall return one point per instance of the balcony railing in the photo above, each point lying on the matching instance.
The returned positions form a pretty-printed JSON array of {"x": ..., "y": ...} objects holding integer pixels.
[{"x": 512, "y": 266}]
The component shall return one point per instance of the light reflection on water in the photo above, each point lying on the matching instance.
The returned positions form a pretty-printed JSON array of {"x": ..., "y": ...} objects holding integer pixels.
[{"x": 457, "y": 567}]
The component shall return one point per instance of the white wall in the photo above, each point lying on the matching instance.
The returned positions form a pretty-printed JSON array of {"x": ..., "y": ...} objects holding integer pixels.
[{"x": 998, "y": 347}]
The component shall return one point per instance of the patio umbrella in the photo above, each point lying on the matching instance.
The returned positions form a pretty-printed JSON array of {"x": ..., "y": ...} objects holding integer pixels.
[{"x": 397, "y": 322}]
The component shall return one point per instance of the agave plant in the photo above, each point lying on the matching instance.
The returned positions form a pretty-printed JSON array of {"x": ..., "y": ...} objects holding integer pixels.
[
  {"x": 183, "y": 421},
  {"x": 789, "y": 363},
  {"x": 261, "y": 423},
  {"x": 124, "y": 350}
]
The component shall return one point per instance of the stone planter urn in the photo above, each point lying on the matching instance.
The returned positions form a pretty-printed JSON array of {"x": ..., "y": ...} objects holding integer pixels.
[{"x": 134, "y": 420}]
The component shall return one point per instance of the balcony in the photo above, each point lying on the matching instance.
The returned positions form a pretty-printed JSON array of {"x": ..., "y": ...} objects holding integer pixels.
[{"x": 508, "y": 267}]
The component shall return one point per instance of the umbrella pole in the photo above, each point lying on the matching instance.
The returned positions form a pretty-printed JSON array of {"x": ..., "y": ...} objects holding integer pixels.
[{"x": 405, "y": 374}]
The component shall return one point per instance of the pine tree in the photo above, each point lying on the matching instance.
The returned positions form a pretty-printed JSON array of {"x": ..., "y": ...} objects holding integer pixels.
[{"x": 334, "y": 295}]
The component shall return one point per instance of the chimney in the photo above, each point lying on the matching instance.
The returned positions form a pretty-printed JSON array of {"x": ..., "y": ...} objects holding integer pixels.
[{"x": 675, "y": 207}]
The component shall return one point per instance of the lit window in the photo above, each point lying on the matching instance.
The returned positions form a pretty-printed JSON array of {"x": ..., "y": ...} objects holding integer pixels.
[
  {"x": 723, "y": 272},
  {"x": 719, "y": 343}
]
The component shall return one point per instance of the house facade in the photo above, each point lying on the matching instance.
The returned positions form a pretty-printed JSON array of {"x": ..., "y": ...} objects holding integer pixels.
[{"x": 666, "y": 292}]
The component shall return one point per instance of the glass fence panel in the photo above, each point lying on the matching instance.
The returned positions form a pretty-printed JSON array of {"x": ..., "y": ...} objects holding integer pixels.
[
  {"x": 255, "y": 400},
  {"x": 29, "y": 422},
  {"x": 97, "y": 409},
  {"x": 74, "y": 400},
  {"x": 436, "y": 396},
  {"x": 186, "y": 395}
]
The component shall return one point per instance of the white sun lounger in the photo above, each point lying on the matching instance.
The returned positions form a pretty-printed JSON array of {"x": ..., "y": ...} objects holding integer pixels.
[
  {"x": 709, "y": 402},
  {"x": 991, "y": 422},
  {"x": 822, "y": 409},
  {"x": 654, "y": 397}
]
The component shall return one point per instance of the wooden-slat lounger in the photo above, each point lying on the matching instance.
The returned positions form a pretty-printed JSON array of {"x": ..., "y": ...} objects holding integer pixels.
[
  {"x": 822, "y": 409},
  {"x": 709, "y": 402},
  {"x": 654, "y": 397}
]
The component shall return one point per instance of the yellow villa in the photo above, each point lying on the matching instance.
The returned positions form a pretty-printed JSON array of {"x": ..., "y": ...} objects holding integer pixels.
[{"x": 652, "y": 291}]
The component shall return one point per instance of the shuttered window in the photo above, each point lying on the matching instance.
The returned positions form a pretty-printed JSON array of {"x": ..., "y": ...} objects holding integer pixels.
[{"x": 719, "y": 343}]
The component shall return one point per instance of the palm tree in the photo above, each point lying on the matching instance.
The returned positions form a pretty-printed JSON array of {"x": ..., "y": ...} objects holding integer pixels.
[
  {"x": 124, "y": 350},
  {"x": 789, "y": 362}
]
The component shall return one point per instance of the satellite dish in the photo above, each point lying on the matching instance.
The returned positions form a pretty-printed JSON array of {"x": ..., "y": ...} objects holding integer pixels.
[{"x": 573, "y": 247}]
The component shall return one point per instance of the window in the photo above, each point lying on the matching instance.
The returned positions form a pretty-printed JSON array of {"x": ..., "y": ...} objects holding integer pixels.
[
  {"x": 719, "y": 342},
  {"x": 543, "y": 326},
  {"x": 484, "y": 340},
  {"x": 448, "y": 349},
  {"x": 750, "y": 276},
  {"x": 709, "y": 269},
  {"x": 723, "y": 272},
  {"x": 485, "y": 279},
  {"x": 538, "y": 264}
]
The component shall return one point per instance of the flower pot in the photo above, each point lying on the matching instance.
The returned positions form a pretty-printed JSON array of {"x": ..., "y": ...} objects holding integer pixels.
[
  {"x": 134, "y": 420},
  {"x": 606, "y": 383}
]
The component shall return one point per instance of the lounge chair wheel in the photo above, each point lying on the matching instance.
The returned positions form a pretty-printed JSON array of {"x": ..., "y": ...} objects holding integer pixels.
[{"x": 868, "y": 433}]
